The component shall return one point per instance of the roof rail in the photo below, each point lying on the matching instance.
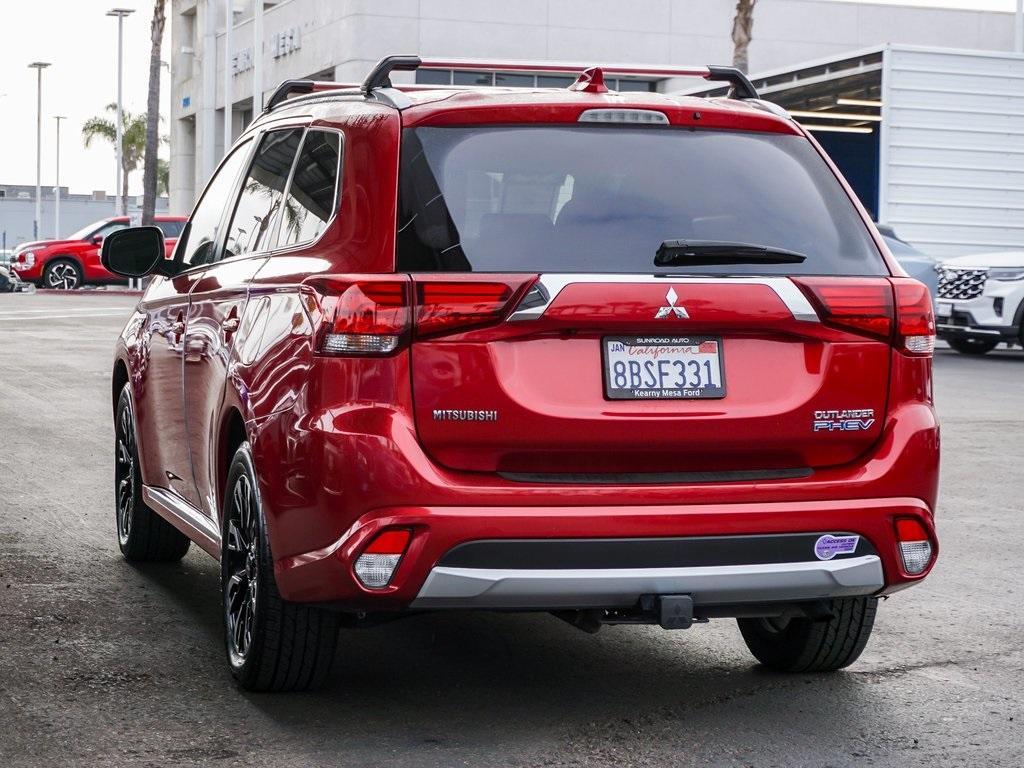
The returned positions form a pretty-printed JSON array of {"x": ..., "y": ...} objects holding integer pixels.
[
  {"x": 380, "y": 75},
  {"x": 289, "y": 87}
]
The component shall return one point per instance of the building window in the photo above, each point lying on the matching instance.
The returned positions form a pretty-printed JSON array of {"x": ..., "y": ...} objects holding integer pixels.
[{"x": 523, "y": 80}]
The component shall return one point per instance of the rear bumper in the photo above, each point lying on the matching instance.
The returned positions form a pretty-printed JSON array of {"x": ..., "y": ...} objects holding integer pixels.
[
  {"x": 426, "y": 578},
  {"x": 488, "y": 588}
]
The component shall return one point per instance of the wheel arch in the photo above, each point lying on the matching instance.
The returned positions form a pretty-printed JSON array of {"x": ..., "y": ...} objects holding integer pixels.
[
  {"x": 118, "y": 379},
  {"x": 232, "y": 433}
]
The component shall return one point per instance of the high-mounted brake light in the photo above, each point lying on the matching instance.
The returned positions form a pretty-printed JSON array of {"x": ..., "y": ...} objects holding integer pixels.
[
  {"x": 915, "y": 320},
  {"x": 915, "y": 546},
  {"x": 861, "y": 305},
  {"x": 365, "y": 316},
  {"x": 377, "y": 564}
]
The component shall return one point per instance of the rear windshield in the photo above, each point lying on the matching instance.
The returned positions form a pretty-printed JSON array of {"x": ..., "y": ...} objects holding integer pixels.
[{"x": 555, "y": 198}]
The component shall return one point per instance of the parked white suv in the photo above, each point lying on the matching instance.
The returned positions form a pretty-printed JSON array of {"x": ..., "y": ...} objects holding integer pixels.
[{"x": 981, "y": 301}]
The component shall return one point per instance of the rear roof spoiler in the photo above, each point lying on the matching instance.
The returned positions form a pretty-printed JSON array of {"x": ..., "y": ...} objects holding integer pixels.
[{"x": 380, "y": 76}]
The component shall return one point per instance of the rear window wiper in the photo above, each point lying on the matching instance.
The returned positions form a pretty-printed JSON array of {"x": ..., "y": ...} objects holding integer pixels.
[{"x": 673, "y": 253}]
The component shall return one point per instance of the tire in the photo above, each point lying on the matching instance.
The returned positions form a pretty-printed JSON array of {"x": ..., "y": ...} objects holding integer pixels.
[
  {"x": 142, "y": 534},
  {"x": 272, "y": 644},
  {"x": 62, "y": 273},
  {"x": 973, "y": 345},
  {"x": 809, "y": 645}
]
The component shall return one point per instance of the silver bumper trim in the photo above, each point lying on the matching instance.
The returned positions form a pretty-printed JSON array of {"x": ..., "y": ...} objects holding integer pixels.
[{"x": 620, "y": 588}]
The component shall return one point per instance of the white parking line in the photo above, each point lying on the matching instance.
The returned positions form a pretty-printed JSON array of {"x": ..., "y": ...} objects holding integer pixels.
[
  {"x": 6, "y": 312},
  {"x": 5, "y": 319}
]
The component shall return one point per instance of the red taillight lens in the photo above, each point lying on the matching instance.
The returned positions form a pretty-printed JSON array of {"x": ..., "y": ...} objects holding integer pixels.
[
  {"x": 389, "y": 543},
  {"x": 458, "y": 305},
  {"x": 861, "y": 305},
  {"x": 915, "y": 320},
  {"x": 364, "y": 316}
]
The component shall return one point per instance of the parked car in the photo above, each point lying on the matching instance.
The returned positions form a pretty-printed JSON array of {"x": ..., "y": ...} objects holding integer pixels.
[
  {"x": 75, "y": 261},
  {"x": 8, "y": 280},
  {"x": 918, "y": 265},
  {"x": 981, "y": 301},
  {"x": 627, "y": 358}
]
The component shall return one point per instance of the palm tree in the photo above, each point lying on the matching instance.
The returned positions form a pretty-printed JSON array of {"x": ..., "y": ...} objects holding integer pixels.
[
  {"x": 133, "y": 142},
  {"x": 742, "y": 33},
  {"x": 163, "y": 178},
  {"x": 150, "y": 168}
]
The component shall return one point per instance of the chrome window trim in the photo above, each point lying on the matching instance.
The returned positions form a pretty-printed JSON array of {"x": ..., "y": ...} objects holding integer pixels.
[{"x": 554, "y": 283}]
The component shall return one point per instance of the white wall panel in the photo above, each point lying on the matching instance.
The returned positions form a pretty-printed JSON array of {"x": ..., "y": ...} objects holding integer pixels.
[{"x": 952, "y": 154}]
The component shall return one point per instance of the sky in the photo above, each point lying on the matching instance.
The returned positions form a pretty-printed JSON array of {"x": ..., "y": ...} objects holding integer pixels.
[{"x": 80, "y": 42}]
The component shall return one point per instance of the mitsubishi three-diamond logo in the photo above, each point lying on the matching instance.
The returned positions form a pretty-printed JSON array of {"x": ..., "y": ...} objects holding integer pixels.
[{"x": 672, "y": 309}]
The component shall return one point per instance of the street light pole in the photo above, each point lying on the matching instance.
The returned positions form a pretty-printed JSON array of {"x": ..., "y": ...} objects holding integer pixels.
[
  {"x": 56, "y": 189},
  {"x": 39, "y": 66},
  {"x": 257, "y": 59},
  {"x": 121, "y": 194}
]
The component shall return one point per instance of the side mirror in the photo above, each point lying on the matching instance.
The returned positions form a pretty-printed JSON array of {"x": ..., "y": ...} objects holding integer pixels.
[
  {"x": 97, "y": 239},
  {"x": 135, "y": 252}
]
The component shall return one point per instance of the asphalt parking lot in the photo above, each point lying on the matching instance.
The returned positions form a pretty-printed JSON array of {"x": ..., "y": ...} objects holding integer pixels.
[{"x": 105, "y": 663}]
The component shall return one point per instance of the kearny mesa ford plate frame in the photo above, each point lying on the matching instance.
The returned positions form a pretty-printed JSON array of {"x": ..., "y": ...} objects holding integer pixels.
[{"x": 678, "y": 361}]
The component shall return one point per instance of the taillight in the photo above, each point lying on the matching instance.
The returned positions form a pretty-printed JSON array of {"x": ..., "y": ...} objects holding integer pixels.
[
  {"x": 374, "y": 315},
  {"x": 365, "y": 316},
  {"x": 915, "y": 546},
  {"x": 861, "y": 305},
  {"x": 915, "y": 321},
  {"x": 445, "y": 306},
  {"x": 377, "y": 564}
]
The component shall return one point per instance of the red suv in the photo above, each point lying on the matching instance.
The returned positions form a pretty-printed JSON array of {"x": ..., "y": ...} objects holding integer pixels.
[
  {"x": 623, "y": 357},
  {"x": 75, "y": 261}
]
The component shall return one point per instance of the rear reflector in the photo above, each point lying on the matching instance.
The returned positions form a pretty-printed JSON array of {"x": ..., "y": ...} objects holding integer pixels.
[
  {"x": 915, "y": 321},
  {"x": 861, "y": 305},
  {"x": 378, "y": 562},
  {"x": 915, "y": 546}
]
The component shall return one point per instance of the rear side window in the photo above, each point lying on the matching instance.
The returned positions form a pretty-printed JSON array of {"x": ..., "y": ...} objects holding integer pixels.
[
  {"x": 577, "y": 198},
  {"x": 312, "y": 196},
  {"x": 170, "y": 229},
  {"x": 259, "y": 204}
]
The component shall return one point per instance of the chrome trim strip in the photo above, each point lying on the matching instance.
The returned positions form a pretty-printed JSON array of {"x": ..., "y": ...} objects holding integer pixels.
[
  {"x": 553, "y": 284},
  {"x": 620, "y": 588},
  {"x": 183, "y": 516}
]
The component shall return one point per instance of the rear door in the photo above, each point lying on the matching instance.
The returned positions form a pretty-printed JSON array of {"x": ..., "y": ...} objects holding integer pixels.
[
  {"x": 548, "y": 344},
  {"x": 219, "y": 297},
  {"x": 161, "y": 411}
]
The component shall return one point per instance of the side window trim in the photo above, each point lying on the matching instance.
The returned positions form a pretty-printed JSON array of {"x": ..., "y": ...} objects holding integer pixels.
[
  {"x": 181, "y": 245},
  {"x": 338, "y": 181},
  {"x": 272, "y": 240}
]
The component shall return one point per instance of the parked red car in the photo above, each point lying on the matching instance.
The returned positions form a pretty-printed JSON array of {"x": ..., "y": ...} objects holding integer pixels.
[
  {"x": 75, "y": 261},
  {"x": 624, "y": 357}
]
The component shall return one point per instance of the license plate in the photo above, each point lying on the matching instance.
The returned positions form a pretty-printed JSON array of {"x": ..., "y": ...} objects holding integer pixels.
[
  {"x": 663, "y": 367},
  {"x": 943, "y": 310}
]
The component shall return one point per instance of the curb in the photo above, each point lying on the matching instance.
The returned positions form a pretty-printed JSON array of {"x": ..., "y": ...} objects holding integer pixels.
[{"x": 80, "y": 292}]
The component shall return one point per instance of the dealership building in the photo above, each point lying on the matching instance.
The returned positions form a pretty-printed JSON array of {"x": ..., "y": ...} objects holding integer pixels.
[{"x": 922, "y": 108}]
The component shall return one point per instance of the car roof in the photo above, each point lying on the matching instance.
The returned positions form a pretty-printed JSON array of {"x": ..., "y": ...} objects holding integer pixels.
[{"x": 450, "y": 105}]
